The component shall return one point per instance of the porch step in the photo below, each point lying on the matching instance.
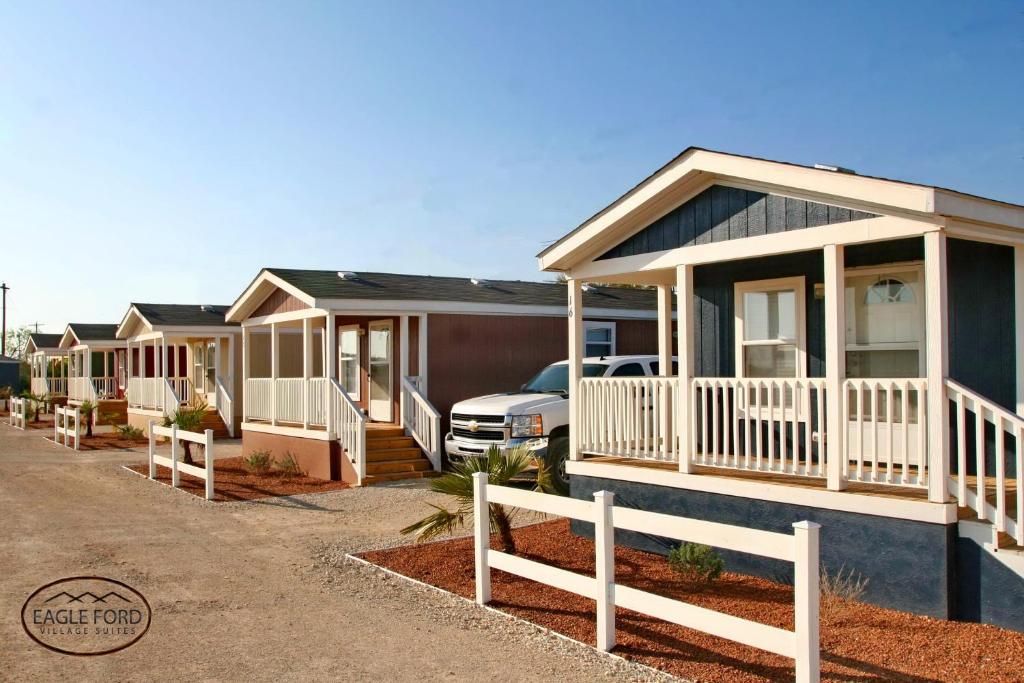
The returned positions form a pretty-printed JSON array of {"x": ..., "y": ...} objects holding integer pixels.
[
  {"x": 420, "y": 464},
  {"x": 374, "y": 431},
  {"x": 212, "y": 420},
  {"x": 387, "y": 454},
  {"x": 371, "y": 479},
  {"x": 378, "y": 443}
]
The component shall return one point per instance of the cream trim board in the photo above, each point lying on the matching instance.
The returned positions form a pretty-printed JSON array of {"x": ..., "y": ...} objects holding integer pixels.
[
  {"x": 264, "y": 282},
  {"x": 281, "y": 430},
  {"x": 798, "y": 284},
  {"x": 844, "y": 501},
  {"x": 806, "y": 239},
  {"x": 402, "y": 307}
]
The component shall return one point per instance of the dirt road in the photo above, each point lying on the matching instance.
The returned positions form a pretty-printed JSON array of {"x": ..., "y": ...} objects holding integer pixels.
[{"x": 244, "y": 591}]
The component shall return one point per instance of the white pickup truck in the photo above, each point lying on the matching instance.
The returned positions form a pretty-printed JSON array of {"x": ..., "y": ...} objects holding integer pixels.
[{"x": 537, "y": 415}]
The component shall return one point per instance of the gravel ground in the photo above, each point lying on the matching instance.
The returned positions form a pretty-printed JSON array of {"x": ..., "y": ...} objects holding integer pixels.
[{"x": 251, "y": 590}]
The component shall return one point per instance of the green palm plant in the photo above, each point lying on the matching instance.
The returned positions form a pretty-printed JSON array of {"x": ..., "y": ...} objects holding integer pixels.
[
  {"x": 86, "y": 410},
  {"x": 188, "y": 419},
  {"x": 35, "y": 403},
  {"x": 501, "y": 468}
]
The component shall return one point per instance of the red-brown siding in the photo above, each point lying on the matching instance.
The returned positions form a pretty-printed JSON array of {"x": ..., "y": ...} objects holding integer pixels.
[
  {"x": 471, "y": 355},
  {"x": 279, "y": 302}
]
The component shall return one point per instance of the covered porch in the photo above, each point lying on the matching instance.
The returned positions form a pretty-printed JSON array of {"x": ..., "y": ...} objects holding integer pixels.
[
  {"x": 818, "y": 360},
  {"x": 48, "y": 369}
]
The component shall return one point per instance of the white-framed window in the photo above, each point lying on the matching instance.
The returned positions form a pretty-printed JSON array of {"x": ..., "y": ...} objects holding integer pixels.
[
  {"x": 349, "y": 359},
  {"x": 598, "y": 339},
  {"x": 770, "y": 328},
  {"x": 885, "y": 324}
]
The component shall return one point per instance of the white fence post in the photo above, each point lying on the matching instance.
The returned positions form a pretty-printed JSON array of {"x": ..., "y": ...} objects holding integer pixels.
[
  {"x": 604, "y": 548},
  {"x": 152, "y": 450},
  {"x": 175, "y": 477},
  {"x": 806, "y": 602},
  {"x": 56, "y": 421},
  {"x": 78, "y": 428},
  {"x": 482, "y": 537},
  {"x": 208, "y": 457}
]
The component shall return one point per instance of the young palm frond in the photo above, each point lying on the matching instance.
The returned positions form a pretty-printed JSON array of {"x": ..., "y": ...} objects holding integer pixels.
[{"x": 501, "y": 468}]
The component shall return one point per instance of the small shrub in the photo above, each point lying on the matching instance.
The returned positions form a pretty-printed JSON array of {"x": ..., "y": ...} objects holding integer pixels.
[
  {"x": 838, "y": 588},
  {"x": 696, "y": 562},
  {"x": 129, "y": 432},
  {"x": 110, "y": 418},
  {"x": 288, "y": 465},
  {"x": 259, "y": 462}
]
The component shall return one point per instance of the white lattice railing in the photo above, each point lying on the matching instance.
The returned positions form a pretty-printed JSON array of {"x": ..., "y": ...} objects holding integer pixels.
[
  {"x": 225, "y": 406},
  {"x": 422, "y": 420},
  {"x": 765, "y": 425},
  {"x": 886, "y": 430},
  {"x": 349, "y": 428},
  {"x": 629, "y": 417},
  {"x": 259, "y": 398},
  {"x": 982, "y": 436}
]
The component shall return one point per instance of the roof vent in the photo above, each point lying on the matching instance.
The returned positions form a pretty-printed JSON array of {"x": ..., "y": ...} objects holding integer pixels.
[
  {"x": 588, "y": 288},
  {"x": 347, "y": 275},
  {"x": 479, "y": 282},
  {"x": 834, "y": 169},
  {"x": 206, "y": 308}
]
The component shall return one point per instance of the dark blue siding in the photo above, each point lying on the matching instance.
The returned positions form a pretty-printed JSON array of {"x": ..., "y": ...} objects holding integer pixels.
[{"x": 722, "y": 213}]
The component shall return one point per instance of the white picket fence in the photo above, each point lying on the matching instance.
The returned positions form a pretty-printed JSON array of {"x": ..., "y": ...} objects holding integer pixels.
[
  {"x": 801, "y": 645},
  {"x": 19, "y": 412},
  {"x": 174, "y": 434},
  {"x": 67, "y": 423}
]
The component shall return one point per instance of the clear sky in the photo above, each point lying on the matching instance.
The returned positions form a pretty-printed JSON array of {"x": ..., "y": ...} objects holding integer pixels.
[{"x": 165, "y": 152}]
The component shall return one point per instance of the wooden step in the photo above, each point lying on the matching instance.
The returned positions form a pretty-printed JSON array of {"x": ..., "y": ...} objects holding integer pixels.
[
  {"x": 378, "y": 432},
  {"x": 371, "y": 479},
  {"x": 380, "y": 443},
  {"x": 387, "y": 454},
  {"x": 392, "y": 466}
]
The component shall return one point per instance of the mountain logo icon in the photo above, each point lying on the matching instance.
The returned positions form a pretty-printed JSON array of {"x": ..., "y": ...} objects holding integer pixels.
[{"x": 88, "y": 594}]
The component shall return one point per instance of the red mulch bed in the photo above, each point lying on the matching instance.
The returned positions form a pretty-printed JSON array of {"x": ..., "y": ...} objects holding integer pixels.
[
  {"x": 860, "y": 643},
  {"x": 45, "y": 422},
  {"x": 231, "y": 481},
  {"x": 110, "y": 441}
]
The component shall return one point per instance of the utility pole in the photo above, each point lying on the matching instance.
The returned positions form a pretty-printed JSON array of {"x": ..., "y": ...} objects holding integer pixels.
[{"x": 3, "y": 339}]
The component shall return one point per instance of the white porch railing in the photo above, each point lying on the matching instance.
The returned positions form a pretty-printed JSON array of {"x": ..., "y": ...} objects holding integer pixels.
[
  {"x": 105, "y": 387},
  {"x": 183, "y": 390},
  {"x": 225, "y": 405},
  {"x": 57, "y": 386},
  {"x": 288, "y": 399},
  {"x": 629, "y": 417},
  {"x": 349, "y": 428},
  {"x": 317, "y": 389},
  {"x": 983, "y": 432},
  {"x": 145, "y": 392},
  {"x": 765, "y": 425},
  {"x": 258, "y": 402},
  {"x": 422, "y": 420},
  {"x": 886, "y": 430},
  {"x": 81, "y": 389},
  {"x": 38, "y": 386}
]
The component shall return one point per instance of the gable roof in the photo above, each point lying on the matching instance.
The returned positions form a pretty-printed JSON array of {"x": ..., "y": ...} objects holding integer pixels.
[
  {"x": 158, "y": 316},
  {"x": 42, "y": 340},
  {"x": 88, "y": 332},
  {"x": 696, "y": 168},
  {"x": 316, "y": 287}
]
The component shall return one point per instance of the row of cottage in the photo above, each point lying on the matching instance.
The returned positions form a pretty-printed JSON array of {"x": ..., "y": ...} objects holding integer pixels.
[{"x": 833, "y": 347}]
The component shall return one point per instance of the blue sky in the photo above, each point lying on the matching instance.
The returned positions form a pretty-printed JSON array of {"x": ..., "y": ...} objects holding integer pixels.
[{"x": 167, "y": 151}]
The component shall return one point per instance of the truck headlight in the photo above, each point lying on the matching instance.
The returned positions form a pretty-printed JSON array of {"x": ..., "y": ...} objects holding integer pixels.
[{"x": 527, "y": 425}]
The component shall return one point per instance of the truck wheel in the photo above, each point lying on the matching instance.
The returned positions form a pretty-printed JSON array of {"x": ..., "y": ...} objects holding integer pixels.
[{"x": 558, "y": 453}]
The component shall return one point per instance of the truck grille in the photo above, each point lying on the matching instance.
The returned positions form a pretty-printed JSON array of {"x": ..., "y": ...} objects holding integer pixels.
[
  {"x": 481, "y": 435},
  {"x": 482, "y": 419}
]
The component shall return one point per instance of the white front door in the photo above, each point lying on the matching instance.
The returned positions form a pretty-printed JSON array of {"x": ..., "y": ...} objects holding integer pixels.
[{"x": 380, "y": 371}]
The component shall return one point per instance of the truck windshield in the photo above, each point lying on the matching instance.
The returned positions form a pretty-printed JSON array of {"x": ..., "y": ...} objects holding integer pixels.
[{"x": 554, "y": 379}]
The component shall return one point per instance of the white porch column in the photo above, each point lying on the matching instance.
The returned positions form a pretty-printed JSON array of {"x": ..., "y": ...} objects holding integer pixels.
[
  {"x": 421, "y": 353},
  {"x": 575, "y": 288},
  {"x": 231, "y": 365},
  {"x": 403, "y": 364},
  {"x": 937, "y": 364},
  {"x": 835, "y": 368},
  {"x": 274, "y": 370},
  {"x": 245, "y": 373},
  {"x": 331, "y": 369},
  {"x": 307, "y": 367},
  {"x": 216, "y": 369},
  {"x": 1018, "y": 306},
  {"x": 665, "y": 330},
  {"x": 684, "y": 326}
]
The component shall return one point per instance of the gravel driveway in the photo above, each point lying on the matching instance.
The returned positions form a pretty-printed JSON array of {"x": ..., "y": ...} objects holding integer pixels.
[{"x": 253, "y": 591}]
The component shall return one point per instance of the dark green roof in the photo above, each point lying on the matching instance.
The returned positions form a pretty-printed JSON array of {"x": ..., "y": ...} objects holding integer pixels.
[
  {"x": 94, "y": 331},
  {"x": 43, "y": 340},
  {"x": 184, "y": 315},
  {"x": 327, "y": 284}
]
